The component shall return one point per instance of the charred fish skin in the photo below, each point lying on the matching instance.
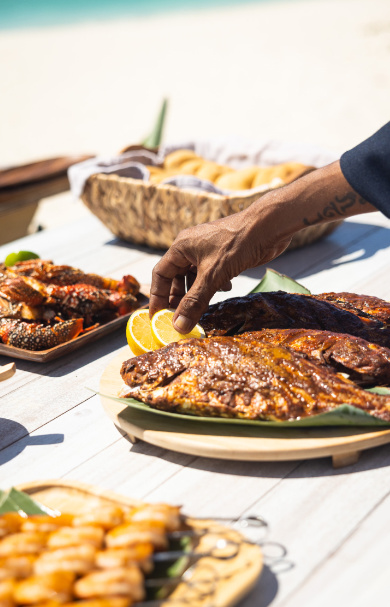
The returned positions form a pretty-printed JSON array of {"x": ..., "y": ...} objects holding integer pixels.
[
  {"x": 236, "y": 377},
  {"x": 281, "y": 310},
  {"x": 366, "y": 363},
  {"x": 367, "y": 306}
]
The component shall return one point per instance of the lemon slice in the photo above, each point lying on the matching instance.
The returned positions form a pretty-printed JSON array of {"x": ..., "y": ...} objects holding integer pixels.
[
  {"x": 139, "y": 334},
  {"x": 163, "y": 331}
]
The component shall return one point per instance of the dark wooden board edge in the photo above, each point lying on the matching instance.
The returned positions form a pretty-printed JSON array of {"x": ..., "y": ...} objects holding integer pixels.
[
  {"x": 39, "y": 171},
  {"x": 43, "y": 356}
]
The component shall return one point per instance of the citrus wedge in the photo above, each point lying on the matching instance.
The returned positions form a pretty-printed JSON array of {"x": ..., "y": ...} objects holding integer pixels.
[
  {"x": 139, "y": 334},
  {"x": 163, "y": 331}
]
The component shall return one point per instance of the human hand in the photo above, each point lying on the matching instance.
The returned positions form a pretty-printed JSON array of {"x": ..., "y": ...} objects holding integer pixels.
[
  {"x": 210, "y": 255},
  {"x": 216, "y": 252}
]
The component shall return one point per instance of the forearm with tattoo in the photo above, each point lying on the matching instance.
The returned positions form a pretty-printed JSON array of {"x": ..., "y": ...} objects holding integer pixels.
[{"x": 340, "y": 207}]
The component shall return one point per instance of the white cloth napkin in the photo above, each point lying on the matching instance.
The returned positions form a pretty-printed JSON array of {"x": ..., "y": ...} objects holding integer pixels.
[{"x": 236, "y": 153}]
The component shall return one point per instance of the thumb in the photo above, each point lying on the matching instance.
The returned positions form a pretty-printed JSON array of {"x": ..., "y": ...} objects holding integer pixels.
[{"x": 193, "y": 304}]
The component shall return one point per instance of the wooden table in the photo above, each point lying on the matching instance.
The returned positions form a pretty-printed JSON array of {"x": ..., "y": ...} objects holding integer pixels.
[{"x": 333, "y": 523}]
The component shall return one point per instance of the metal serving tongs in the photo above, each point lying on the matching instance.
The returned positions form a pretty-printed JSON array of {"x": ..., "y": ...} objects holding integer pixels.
[
  {"x": 247, "y": 525},
  {"x": 254, "y": 530}
]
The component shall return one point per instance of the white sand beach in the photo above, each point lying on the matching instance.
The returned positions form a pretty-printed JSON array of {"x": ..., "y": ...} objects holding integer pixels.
[{"x": 308, "y": 71}]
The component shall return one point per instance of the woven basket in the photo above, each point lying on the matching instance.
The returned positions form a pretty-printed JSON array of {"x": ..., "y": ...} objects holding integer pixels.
[{"x": 153, "y": 215}]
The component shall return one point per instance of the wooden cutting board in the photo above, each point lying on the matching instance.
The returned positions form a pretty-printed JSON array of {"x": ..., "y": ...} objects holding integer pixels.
[
  {"x": 227, "y": 441},
  {"x": 224, "y": 582}
]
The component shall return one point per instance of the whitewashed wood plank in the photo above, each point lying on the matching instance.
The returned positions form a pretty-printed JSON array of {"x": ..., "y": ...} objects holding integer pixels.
[
  {"x": 60, "y": 386},
  {"x": 357, "y": 573},
  {"x": 211, "y": 487},
  {"x": 56, "y": 447},
  {"x": 318, "y": 266},
  {"x": 358, "y": 262},
  {"x": 375, "y": 283},
  {"x": 133, "y": 470},
  {"x": 316, "y": 508},
  {"x": 62, "y": 241},
  {"x": 377, "y": 219},
  {"x": 86, "y": 243}
]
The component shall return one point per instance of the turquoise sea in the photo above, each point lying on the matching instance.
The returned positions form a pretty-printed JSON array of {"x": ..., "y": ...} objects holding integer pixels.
[{"x": 38, "y": 13}]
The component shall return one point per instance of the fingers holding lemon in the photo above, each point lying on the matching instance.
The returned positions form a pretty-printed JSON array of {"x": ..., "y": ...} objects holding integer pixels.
[
  {"x": 139, "y": 333},
  {"x": 144, "y": 335}
]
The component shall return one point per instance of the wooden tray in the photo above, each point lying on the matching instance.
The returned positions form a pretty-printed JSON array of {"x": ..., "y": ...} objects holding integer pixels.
[
  {"x": 234, "y": 578},
  {"x": 231, "y": 442},
  {"x": 43, "y": 356}
]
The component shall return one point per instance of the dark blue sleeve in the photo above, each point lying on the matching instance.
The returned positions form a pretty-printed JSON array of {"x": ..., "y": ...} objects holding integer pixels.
[{"x": 367, "y": 169}]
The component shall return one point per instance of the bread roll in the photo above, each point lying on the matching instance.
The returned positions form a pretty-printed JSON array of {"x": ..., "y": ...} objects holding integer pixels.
[
  {"x": 190, "y": 167},
  {"x": 211, "y": 171},
  {"x": 263, "y": 176},
  {"x": 176, "y": 159},
  {"x": 157, "y": 174},
  {"x": 237, "y": 180},
  {"x": 290, "y": 171},
  {"x": 186, "y": 162}
]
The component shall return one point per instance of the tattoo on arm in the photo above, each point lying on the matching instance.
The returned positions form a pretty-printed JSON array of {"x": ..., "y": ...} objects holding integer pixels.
[{"x": 338, "y": 208}]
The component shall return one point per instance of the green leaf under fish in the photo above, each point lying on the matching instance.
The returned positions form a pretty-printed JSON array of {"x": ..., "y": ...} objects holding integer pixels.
[
  {"x": 274, "y": 281},
  {"x": 343, "y": 415}
]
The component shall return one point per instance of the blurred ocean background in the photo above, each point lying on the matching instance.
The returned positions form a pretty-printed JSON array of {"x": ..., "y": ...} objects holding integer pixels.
[
  {"x": 38, "y": 13},
  {"x": 89, "y": 76}
]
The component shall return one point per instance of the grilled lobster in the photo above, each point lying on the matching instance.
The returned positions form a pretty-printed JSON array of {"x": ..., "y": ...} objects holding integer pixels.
[
  {"x": 60, "y": 300},
  {"x": 38, "y": 336},
  {"x": 63, "y": 275},
  {"x": 27, "y": 298}
]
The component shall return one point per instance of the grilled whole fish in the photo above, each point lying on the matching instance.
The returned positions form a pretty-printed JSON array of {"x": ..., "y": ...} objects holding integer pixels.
[
  {"x": 280, "y": 310},
  {"x": 366, "y": 306},
  {"x": 366, "y": 363},
  {"x": 236, "y": 377}
]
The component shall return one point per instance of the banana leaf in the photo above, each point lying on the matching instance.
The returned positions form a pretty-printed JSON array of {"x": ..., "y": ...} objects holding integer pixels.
[
  {"x": 343, "y": 415},
  {"x": 274, "y": 281},
  {"x": 17, "y": 501},
  {"x": 153, "y": 140}
]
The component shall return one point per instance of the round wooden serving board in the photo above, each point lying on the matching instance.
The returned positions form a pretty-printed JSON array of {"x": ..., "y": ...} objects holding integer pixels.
[{"x": 251, "y": 443}]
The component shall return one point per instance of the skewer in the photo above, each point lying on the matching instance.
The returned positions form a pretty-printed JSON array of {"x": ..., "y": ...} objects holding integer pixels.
[{"x": 216, "y": 553}]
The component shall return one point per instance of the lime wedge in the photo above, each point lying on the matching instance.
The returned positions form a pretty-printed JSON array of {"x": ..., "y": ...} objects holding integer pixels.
[{"x": 13, "y": 258}]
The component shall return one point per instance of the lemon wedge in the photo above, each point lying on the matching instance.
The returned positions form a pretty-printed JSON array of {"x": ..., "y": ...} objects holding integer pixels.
[
  {"x": 139, "y": 333},
  {"x": 163, "y": 331}
]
